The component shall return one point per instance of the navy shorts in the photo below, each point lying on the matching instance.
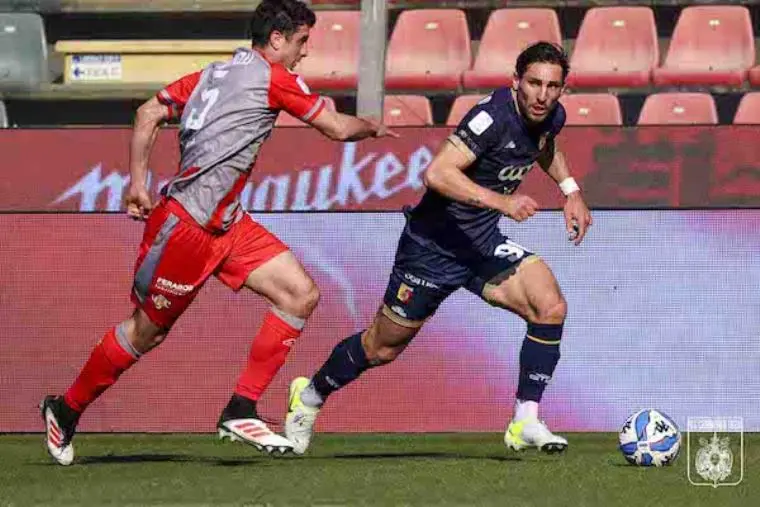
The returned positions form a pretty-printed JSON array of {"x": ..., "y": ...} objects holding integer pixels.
[{"x": 423, "y": 278}]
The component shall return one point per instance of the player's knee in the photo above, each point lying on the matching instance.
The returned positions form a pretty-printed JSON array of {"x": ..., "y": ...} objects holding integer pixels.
[
  {"x": 142, "y": 333},
  {"x": 307, "y": 298},
  {"x": 301, "y": 299},
  {"x": 382, "y": 345},
  {"x": 551, "y": 309},
  {"x": 385, "y": 355}
]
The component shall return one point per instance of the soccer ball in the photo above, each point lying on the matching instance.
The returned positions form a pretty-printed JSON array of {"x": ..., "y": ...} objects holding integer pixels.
[{"x": 650, "y": 438}]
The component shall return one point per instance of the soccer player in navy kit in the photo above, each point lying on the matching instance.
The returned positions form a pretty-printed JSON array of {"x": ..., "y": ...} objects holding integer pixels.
[{"x": 451, "y": 240}]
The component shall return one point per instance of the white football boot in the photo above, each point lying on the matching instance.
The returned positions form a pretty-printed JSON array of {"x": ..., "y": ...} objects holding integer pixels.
[
  {"x": 254, "y": 432},
  {"x": 530, "y": 432},
  {"x": 60, "y": 425},
  {"x": 299, "y": 422}
]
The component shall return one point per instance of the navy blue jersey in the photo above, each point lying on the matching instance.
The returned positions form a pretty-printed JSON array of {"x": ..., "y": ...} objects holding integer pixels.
[{"x": 506, "y": 149}]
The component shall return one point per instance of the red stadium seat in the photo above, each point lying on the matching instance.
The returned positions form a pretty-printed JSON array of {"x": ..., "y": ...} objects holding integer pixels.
[
  {"x": 678, "y": 109},
  {"x": 748, "y": 112},
  {"x": 710, "y": 46},
  {"x": 754, "y": 76},
  {"x": 286, "y": 120},
  {"x": 429, "y": 49},
  {"x": 407, "y": 111},
  {"x": 592, "y": 109},
  {"x": 460, "y": 107},
  {"x": 507, "y": 33},
  {"x": 616, "y": 46},
  {"x": 333, "y": 60}
]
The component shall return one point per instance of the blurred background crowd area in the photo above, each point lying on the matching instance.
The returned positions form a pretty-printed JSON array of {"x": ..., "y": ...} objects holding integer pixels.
[{"x": 92, "y": 62}]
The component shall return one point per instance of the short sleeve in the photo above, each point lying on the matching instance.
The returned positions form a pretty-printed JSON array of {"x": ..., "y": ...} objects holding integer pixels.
[
  {"x": 479, "y": 130},
  {"x": 289, "y": 92},
  {"x": 175, "y": 95}
]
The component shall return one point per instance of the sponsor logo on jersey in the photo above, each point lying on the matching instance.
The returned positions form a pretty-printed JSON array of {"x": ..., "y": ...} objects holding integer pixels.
[
  {"x": 178, "y": 289},
  {"x": 416, "y": 280},
  {"x": 513, "y": 172},
  {"x": 480, "y": 123}
]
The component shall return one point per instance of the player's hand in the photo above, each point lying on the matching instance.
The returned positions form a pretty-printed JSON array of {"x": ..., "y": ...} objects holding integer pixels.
[
  {"x": 138, "y": 202},
  {"x": 381, "y": 130},
  {"x": 577, "y": 218},
  {"x": 519, "y": 207}
]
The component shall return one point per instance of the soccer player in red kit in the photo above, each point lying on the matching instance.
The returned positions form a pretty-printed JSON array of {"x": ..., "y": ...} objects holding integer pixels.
[{"x": 199, "y": 228}]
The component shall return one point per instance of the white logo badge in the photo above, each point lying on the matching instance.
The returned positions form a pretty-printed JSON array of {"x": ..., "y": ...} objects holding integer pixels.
[
  {"x": 480, "y": 123},
  {"x": 718, "y": 442}
]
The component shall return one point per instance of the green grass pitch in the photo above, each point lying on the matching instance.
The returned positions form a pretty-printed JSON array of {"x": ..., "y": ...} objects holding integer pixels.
[{"x": 367, "y": 469}]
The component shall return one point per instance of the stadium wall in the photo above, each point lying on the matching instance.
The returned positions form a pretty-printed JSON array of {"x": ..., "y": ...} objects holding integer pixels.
[{"x": 663, "y": 302}]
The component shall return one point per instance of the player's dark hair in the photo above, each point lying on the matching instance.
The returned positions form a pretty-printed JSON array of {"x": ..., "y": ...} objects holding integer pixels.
[
  {"x": 284, "y": 16},
  {"x": 542, "y": 52}
]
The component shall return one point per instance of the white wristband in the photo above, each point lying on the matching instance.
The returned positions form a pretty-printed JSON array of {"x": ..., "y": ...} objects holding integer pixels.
[{"x": 568, "y": 186}]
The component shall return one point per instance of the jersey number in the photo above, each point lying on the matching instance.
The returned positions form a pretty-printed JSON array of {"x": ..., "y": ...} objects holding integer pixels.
[
  {"x": 209, "y": 97},
  {"x": 509, "y": 250}
]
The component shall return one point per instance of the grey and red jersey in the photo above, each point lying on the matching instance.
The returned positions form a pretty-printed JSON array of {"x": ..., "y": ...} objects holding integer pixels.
[{"x": 227, "y": 111}]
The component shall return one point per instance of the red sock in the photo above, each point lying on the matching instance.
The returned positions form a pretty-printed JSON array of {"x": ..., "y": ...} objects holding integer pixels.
[
  {"x": 107, "y": 362},
  {"x": 268, "y": 352}
]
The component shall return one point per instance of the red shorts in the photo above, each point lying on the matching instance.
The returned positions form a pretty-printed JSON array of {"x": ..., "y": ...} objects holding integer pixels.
[{"x": 177, "y": 256}]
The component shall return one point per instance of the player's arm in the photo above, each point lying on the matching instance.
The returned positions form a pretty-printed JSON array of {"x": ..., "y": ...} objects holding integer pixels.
[
  {"x": 148, "y": 120},
  {"x": 343, "y": 127},
  {"x": 167, "y": 104},
  {"x": 445, "y": 175},
  {"x": 289, "y": 92},
  {"x": 577, "y": 216}
]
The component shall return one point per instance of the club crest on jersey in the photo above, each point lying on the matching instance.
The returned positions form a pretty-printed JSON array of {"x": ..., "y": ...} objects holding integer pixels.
[
  {"x": 404, "y": 293},
  {"x": 160, "y": 302}
]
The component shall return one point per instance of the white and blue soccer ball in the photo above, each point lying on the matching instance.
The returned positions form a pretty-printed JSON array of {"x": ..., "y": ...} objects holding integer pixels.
[{"x": 650, "y": 438}]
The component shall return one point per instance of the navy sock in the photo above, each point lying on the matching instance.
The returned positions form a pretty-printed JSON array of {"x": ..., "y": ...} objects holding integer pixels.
[
  {"x": 344, "y": 365},
  {"x": 538, "y": 358}
]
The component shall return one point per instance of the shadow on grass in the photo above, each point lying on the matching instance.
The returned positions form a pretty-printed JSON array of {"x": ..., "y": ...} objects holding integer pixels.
[{"x": 128, "y": 459}]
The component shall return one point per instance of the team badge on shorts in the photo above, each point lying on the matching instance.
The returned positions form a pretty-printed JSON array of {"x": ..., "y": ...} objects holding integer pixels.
[
  {"x": 160, "y": 302},
  {"x": 404, "y": 293}
]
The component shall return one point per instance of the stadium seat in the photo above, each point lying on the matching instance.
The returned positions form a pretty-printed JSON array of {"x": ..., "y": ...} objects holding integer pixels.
[
  {"x": 711, "y": 45},
  {"x": 748, "y": 112},
  {"x": 23, "y": 51},
  {"x": 506, "y": 34},
  {"x": 3, "y": 116},
  {"x": 428, "y": 49},
  {"x": 333, "y": 61},
  {"x": 407, "y": 111},
  {"x": 592, "y": 109},
  {"x": 616, "y": 46},
  {"x": 285, "y": 119},
  {"x": 754, "y": 76},
  {"x": 461, "y": 107},
  {"x": 140, "y": 61},
  {"x": 678, "y": 109}
]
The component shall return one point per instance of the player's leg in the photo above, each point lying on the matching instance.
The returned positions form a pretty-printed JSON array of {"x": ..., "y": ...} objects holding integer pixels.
[
  {"x": 171, "y": 268},
  {"x": 529, "y": 289},
  {"x": 263, "y": 264},
  {"x": 380, "y": 344},
  {"x": 414, "y": 292}
]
